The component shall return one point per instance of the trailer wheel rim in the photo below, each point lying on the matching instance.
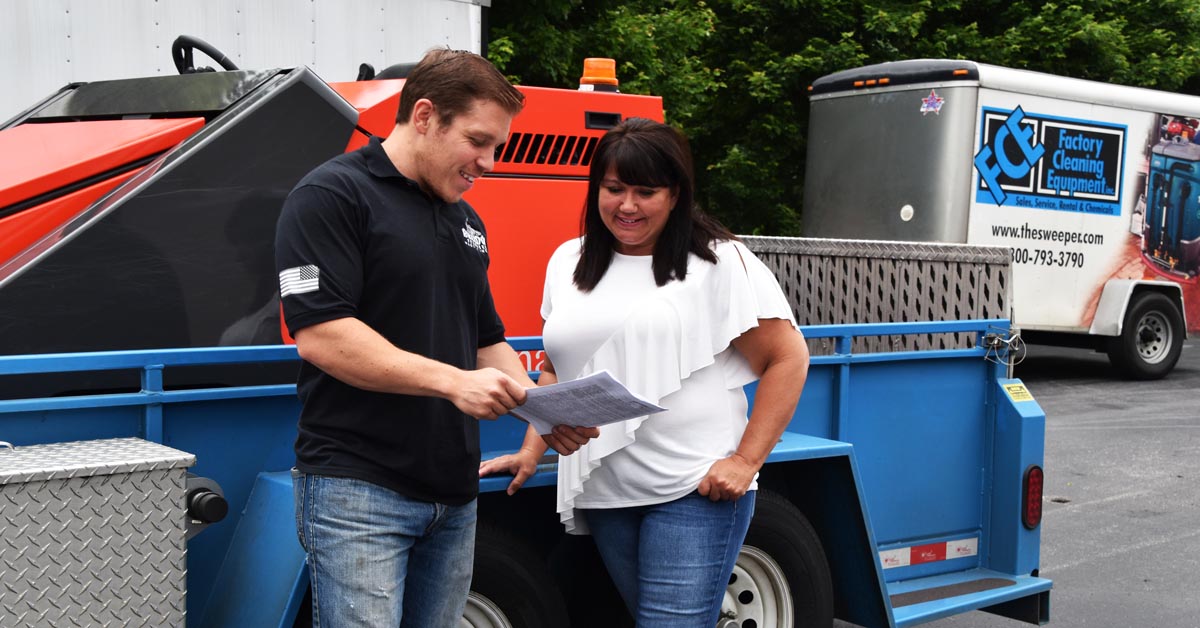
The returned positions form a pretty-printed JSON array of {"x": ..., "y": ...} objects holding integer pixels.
[
  {"x": 758, "y": 595},
  {"x": 481, "y": 612},
  {"x": 1153, "y": 337}
]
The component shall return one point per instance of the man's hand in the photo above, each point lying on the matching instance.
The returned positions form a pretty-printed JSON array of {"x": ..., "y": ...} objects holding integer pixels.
[
  {"x": 567, "y": 440},
  {"x": 727, "y": 479},
  {"x": 486, "y": 393},
  {"x": 521, "y": 465}
]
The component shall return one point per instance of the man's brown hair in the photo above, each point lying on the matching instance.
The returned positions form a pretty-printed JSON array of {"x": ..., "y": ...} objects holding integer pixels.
[{"x": 453, "y": 80}]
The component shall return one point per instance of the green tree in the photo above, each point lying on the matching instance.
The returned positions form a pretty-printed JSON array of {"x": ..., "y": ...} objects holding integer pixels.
[
  {"x": 734, "y": 74},
  {"x": 657, "y": 46}
]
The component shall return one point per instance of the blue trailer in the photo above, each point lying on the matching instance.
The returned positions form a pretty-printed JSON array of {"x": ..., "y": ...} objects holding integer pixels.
[
  {"x": 907, "y": 488},
  {"x": 148, "y": 480}
]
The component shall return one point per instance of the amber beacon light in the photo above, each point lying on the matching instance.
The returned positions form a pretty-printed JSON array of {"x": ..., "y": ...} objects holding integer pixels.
[{"x": 599, "y": 75}]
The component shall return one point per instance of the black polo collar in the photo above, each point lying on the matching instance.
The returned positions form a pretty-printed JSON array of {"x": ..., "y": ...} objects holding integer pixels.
[{"x": 380, "y": 165}]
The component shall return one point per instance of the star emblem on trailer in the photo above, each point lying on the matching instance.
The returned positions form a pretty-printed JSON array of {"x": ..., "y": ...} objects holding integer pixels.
[{"x": 932, "y": 102}]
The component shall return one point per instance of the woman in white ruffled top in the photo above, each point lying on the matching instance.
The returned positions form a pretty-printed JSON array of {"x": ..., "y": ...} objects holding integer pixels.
[{"x": 675, "y": 307}]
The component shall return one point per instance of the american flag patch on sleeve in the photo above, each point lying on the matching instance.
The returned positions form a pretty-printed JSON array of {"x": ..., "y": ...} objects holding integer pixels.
[{"x": 299, "y": 280}]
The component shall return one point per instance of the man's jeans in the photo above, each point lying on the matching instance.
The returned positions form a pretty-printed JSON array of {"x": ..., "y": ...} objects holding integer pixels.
[
  {"x": 671, "y": 562},
  {"x": 378, "y": 558}
]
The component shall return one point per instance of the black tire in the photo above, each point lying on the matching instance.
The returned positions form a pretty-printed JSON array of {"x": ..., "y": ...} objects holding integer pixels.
[
  {"x": 591, "y": 597},
  {"x": 511, "y": 585},
  {"x": 304, "y": 615},
  {"x": 1151, "y": 338},
  {"x": 781, "y": 560}
]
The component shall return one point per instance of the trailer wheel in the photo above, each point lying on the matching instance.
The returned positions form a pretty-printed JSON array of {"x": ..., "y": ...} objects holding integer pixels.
[
  {"x": 781, "y": 578},
  {"x": 511, "y": 587},
  {"x": 1151, "y": 338}
]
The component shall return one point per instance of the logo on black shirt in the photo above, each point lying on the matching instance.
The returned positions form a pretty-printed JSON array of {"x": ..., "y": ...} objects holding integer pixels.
[
  {"x": 474, "y": 238},
  {"x": 299, "y": 280}
]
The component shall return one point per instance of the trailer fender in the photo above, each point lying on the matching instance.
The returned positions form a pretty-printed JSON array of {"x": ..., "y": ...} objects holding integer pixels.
[
  {"x": 263, "y": 578},
  {"x": 1018, "y": 448},
  {"x": 820, "y": 478},
  {"x": 1147, "y": 321},
  {"x": 1114, "y": 301}
]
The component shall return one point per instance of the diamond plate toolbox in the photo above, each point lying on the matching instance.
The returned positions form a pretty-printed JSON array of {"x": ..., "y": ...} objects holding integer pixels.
[
  {"x": 92, "y": 533},
  {"x": 835, "y": 282}
]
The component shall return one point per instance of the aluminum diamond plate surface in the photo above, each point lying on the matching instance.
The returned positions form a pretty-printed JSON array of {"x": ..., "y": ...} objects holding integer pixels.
[
  {"x": 881, "y": 249},
  {"x": 832, "y": 282},
  {"x": 92, "y": 533},
  {"x": 88, "y": 457}
]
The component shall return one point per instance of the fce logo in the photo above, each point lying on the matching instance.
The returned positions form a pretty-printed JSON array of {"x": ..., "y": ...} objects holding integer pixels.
[
  {"x": 1023, "y": 139},
  {"x": 1038, "y": 161}
]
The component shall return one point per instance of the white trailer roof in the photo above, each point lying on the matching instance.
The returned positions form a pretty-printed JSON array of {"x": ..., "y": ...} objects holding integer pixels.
[
  {"x": 1092, "y": 92},
  {"x": 910, "y": 73}
]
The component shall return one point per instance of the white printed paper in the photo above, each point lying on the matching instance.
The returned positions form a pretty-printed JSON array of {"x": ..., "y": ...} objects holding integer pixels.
[{"x": 591, "y": 401}]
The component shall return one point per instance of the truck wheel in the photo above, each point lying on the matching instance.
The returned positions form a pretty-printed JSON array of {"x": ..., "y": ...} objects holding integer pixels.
[
  {"x": 781, "y": 578},
  {"x": 1151, "y": 338},
  {"x": 511, "y": 587}
]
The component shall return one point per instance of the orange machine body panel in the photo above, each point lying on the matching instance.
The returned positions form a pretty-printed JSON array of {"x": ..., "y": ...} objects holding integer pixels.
[
  {"x": 71, "y": 164},
  {"x": 376, "y": 102},
  {"x": 40, "y": 158},
  {"x": 19, "y": 231},
  {"x": 111, "y": 214},
  {"x": 525, "y": 222},
  {"x": 558, "y": 129}
]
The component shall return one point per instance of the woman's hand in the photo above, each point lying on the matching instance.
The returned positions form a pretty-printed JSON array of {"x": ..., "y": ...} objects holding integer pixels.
[
  {"x": 778, "y": 353},
  {"x": 728, "y": 479},
  {"x": 521, "y": 465},
  {"x": 566, "y": 439}
]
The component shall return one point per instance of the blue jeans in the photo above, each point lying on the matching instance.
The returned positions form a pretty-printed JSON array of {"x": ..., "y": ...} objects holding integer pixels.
[
  {"x": 671, "y": 562},
  {"x": 378, "y": 558}
]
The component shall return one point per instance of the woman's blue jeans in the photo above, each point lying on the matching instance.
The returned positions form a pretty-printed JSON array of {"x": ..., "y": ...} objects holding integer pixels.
[
  {"x": 671, "y": 562},
  {"x": 378, "y": 558}
]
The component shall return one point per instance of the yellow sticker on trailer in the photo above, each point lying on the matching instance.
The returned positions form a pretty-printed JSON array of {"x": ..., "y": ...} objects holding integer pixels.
[{"x": 1018, "y": 392}]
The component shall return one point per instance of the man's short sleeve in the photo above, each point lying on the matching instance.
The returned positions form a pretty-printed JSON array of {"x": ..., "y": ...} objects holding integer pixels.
[
  {"x": 491, "y": 328},
  {"x": 318, "y": 255}
]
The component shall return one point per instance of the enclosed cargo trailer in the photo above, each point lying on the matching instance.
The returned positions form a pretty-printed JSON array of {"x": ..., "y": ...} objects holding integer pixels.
[{"x": 1091, "y": 186}]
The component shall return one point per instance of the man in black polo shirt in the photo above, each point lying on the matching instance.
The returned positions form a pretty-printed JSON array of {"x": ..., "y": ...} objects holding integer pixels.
[{"x": 383, "y": 278}]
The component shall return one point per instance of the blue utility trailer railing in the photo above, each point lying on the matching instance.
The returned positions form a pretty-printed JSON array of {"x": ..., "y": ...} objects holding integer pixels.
[{"x": 916, "y": 472}]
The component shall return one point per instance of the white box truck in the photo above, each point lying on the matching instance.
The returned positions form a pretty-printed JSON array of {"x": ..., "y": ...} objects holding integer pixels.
[{"x": 1094, "y": 187}]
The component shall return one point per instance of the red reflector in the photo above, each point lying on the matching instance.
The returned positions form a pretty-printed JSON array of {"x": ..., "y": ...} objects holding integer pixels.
[{"x": 1031, "y": 497}]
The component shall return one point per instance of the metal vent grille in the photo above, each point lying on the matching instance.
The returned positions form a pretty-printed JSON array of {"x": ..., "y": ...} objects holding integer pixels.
[
  {"x": 856, "y": 281},
  {"x": 542, "y": 148}
]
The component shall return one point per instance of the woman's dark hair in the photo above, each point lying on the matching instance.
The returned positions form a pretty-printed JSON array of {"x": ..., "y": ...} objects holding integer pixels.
[{"x": 647, "y": 153}]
